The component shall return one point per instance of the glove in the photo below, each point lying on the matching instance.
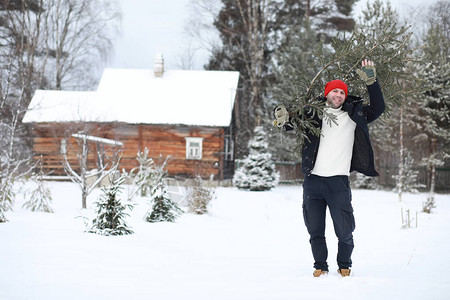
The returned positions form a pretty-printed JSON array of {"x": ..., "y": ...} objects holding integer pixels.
[
  {"x": 281, "y": 115},
  {"x": 367, "y": 74}
]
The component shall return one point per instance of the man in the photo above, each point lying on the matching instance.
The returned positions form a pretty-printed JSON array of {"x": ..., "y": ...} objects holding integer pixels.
[{"x": 328, "y": 160}]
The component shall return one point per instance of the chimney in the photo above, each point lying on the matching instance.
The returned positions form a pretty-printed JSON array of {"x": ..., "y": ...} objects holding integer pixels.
[{"x": 158, "y": 65}]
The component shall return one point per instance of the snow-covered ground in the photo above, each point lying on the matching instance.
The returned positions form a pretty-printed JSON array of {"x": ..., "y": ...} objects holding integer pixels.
[{"x": 252, "y": 245}]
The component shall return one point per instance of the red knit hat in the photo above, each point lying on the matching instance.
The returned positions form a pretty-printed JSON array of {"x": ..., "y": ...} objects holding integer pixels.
[{"x": 336, "y": 84}]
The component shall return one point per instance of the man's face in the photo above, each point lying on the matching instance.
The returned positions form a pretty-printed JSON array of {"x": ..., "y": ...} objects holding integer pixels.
[{"x": 336, "y": 97}]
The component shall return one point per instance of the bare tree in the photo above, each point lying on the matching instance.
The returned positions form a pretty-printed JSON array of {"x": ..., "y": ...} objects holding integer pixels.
[
  {"x": 244, "y": 28},
  {"x": 77, "y": 35},
  {"x": 255, "y": 16},
  {"x": 187, "y": 57},
  {"x": 142, "y": 176},
  {"x": 30, "y": 43},
  {"x": 21, "y": 33},
  {"x": 12, "y": 164},
  {"x": 81, "y": 178},
  {"x": 200, "y": 34},
  {"x": 55, "y": 44}
]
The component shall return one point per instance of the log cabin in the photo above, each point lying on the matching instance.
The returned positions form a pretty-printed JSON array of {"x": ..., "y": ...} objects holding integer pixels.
[{"x": 183, "y": 115}]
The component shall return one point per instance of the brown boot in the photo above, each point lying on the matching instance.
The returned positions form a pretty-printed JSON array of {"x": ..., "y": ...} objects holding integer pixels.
[
  {"x": 319, "y": 272},
  {"x": 344, "y": 272}
]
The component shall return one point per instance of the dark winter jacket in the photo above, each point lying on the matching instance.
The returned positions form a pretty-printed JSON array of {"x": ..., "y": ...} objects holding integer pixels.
[{"x": 362, "y": 158}]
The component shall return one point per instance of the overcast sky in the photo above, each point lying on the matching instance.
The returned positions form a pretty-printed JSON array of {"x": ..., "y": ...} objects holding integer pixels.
[
  {"x": 156, "y": 26},
  {"x": 149, "y": 27}
]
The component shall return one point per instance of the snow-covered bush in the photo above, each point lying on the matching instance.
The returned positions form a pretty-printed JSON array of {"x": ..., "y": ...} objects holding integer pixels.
[
  {"x": 362, "y": 181},
  {"x": 110, "y": 219},
  {"x": 428, "y": 205},
  {"x": 199, "y": 195},
  {"x": 257, "y": 171}
]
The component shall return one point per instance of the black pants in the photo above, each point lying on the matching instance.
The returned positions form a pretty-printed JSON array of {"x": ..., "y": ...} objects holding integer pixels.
[{"x": 334, "y": 192}]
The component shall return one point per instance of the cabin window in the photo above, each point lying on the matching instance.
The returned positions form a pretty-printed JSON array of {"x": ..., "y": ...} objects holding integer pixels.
[{"x": 194, "y": 146}]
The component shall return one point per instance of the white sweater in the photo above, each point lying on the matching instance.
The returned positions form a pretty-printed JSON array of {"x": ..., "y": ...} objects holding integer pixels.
[{"x": 336, "y": 145}]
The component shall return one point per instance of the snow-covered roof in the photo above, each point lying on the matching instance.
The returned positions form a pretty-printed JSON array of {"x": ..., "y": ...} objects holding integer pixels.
[{"x": 136, "y": 96}]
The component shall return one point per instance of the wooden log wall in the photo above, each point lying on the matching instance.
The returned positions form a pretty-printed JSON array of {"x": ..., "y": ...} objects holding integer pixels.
[{"x": 161, "y": 140}]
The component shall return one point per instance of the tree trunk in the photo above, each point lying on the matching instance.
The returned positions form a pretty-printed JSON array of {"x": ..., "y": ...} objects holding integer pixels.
[
  {"x": 401, "y": 179},
  {"x": 84, "y": 195},
  {"x": 83, "y": 167},
  {"x": 433, "y": 166}
]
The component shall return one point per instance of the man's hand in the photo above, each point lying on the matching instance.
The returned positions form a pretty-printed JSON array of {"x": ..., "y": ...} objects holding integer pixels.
[
  {"x": 281, "y": 115},
  {"x": 367, "y": 73}
]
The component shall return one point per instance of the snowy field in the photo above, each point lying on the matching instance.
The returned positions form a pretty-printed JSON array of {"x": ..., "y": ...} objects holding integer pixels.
[{"x": 252, "y": 245}]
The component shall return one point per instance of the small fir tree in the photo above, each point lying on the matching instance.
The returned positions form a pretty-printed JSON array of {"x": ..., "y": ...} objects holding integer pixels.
[
  {"x": 111, "y": 213},
  {"x": 163, "y": 208},
  {"x": 40, "y": 198},
  {"x": 257, "y": 170},
  {"x": 2, "y": 216},
  {"x": 6, "y": 198},
  {"x": 199, "y": 196},
  {"x": 406, "y": 179},
  {"x": 6, "y": 193}
]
